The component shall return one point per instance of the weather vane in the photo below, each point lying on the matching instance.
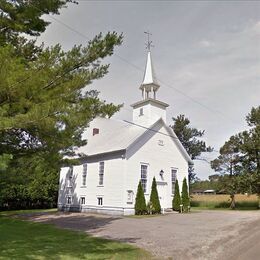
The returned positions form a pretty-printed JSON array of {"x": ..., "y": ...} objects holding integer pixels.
[{"x": 149, "y": 42}]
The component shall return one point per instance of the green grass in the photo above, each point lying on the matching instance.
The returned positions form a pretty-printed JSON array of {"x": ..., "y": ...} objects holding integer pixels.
[
  {"x": 26, "y": 211},
  {"x": 21, "y": 239},
  {"x": 241, "y": 205}
]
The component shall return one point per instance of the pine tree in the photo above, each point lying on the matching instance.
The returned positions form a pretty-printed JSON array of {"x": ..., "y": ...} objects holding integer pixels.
[
  {"x": 154, "y": 199},
  {"x": 191, "y": 140},
  {"x": 176, "y": 202},
  {"x": 140, "y": 205},
  {"x": 185, "y": 196}
]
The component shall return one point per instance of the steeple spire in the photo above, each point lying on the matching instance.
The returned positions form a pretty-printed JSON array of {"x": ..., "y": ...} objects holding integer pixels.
[
  {"x": 147, "y": 111},
  {"x": 150, "y": 83},
  {"x": 149, "y": 74}
]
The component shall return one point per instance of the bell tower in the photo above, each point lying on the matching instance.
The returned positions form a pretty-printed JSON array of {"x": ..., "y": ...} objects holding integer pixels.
[{"x": 147, "y": 111}]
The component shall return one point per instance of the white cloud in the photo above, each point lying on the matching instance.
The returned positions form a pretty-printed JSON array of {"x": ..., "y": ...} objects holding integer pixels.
[{"x": 205, "y": 43}]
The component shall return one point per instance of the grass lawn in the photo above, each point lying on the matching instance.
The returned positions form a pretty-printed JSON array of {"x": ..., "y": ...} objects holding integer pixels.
[
  {"x": 26, "y": 211},
  {"x": 21, "y": 239},
  {"x": 243, "y": 202}
]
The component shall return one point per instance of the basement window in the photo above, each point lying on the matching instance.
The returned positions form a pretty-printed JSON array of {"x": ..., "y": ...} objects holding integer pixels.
[
  {"x": 100, "y": 201},
  {"x": 82, "y": 200},
  {"x": 69, "y": 200}
]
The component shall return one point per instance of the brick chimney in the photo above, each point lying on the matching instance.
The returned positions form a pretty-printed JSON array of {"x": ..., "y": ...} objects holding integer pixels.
[{"x": 95, "y": 131}]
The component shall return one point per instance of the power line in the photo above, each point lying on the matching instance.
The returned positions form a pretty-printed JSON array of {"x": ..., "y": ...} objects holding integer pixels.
[{"x": 138, "y": 68}]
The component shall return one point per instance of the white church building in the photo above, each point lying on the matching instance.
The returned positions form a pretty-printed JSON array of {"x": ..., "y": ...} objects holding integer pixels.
[{"x": 119, "y": 154}]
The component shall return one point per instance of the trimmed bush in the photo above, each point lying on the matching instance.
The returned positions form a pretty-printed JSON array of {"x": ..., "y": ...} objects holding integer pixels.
[
  {"x": 140, "y": 205},
  {"x": 185, "y": 198},
  {"x": 155, "y": 206},
  {"x": 176, "y": 202}
]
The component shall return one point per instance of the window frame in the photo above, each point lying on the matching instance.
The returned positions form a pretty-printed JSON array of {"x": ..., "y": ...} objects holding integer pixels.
[
  {"x": 100, "y": 201},
  {"x": 81, "y": 200},
  {"x": 70, "y": 177},
  {"x": 144, "y": 180},
  {"x": 101, "y": 173},
  {"x": 173, "y": 180},
  {"x": 68, "y": 202},
  {"x": 141, "y": 111},
  {"x": 84, "y": 175}
]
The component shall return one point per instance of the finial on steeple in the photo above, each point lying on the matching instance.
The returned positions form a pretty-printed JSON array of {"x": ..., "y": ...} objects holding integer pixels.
[{"x": 149, "y": 42}]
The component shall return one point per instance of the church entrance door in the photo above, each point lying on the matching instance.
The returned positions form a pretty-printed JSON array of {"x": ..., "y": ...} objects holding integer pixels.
[{"x": 162, "y": 187}]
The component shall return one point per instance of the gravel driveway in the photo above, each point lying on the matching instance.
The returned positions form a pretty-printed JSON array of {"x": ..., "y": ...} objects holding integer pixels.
[{"x": 218, "y": 235}]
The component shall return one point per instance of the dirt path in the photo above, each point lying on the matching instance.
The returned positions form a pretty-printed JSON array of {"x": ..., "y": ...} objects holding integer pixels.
[{"x": 201, "y": 235}]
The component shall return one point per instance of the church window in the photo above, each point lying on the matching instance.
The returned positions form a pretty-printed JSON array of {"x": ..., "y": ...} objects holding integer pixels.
[
  {"x": 84, "y": 174},
  {"x": 141, "y": 112},
  {"x": 144, "y": 177},
  {"x": 174, "y": 175},
  {"x": 101, "y": 173},
  {"x": 70, "y": 176}
]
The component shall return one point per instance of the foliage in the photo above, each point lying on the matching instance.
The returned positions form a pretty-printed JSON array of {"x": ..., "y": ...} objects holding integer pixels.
[
  {"x": 240, "y": 158},
  {"x": 154, "y": 199},
  {"x": 4, "y": 161},
  {"x": 21, "y": 16},
  {"x": 49, "y": 111},
  {"x": 43, "y": 241},
  {"x": 140, "y": 205},
  {"x": 44, "y": 101},
  {"x": 30, "y": 182},
  {"x": 190, "y": 139},
  {"x": 185, "y": 198},
  {"x": 229, "y": 158},
  {"x": 176, "y": 202}
]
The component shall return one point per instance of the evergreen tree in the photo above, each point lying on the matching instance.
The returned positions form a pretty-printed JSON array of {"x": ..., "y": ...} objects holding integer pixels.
[
  {"x": 154, "y": 199},
  {"x": 45, "y": 100},
  {"x": 185, "y": 198},
  {"x": 140, "y": 205},
  {"x": 191, "y": 140},
  {"x": 176, "y": 202}
]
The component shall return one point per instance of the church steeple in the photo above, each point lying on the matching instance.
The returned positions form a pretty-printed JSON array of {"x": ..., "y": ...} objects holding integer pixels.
[
  {"x": 150, "y": 84},
  {"x": 147, "y": 111}
]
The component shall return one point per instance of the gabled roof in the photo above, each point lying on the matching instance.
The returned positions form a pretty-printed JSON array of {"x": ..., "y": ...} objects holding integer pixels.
[{"x": 115, "y": 135}]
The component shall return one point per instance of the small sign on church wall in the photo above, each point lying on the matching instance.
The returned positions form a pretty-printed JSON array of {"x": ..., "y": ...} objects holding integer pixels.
[
  {"x": 130, "y": 196},
  {"x": 160, "y": 142}
]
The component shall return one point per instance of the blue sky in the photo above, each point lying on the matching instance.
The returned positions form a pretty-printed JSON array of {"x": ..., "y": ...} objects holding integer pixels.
[{"x": 206, "y": 55}]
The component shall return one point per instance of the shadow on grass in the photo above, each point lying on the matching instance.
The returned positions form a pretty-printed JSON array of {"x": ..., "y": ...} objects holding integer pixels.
[
  {"x": 74, "y": 221},
  {"x": 26, "y": 240}
]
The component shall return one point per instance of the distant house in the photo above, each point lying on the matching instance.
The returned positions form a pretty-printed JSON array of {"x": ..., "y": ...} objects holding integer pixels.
[
  {"x": 197, "y": 192},
  {"x": 201, "y": 192},
  {"x": 119, "y": 154},
  {"x": 209, "y": 192}
]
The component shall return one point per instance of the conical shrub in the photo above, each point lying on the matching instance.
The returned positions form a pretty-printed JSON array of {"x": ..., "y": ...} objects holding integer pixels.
[
  {"x": 140, "y": 205},
  {"x": 154, "y": 199},
  {"x": 185, "y": 198},
  {"x": 176, "y": 202}
]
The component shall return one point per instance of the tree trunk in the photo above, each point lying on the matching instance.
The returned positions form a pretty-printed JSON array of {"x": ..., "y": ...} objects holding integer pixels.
[{"x": 233, "y": 203}]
